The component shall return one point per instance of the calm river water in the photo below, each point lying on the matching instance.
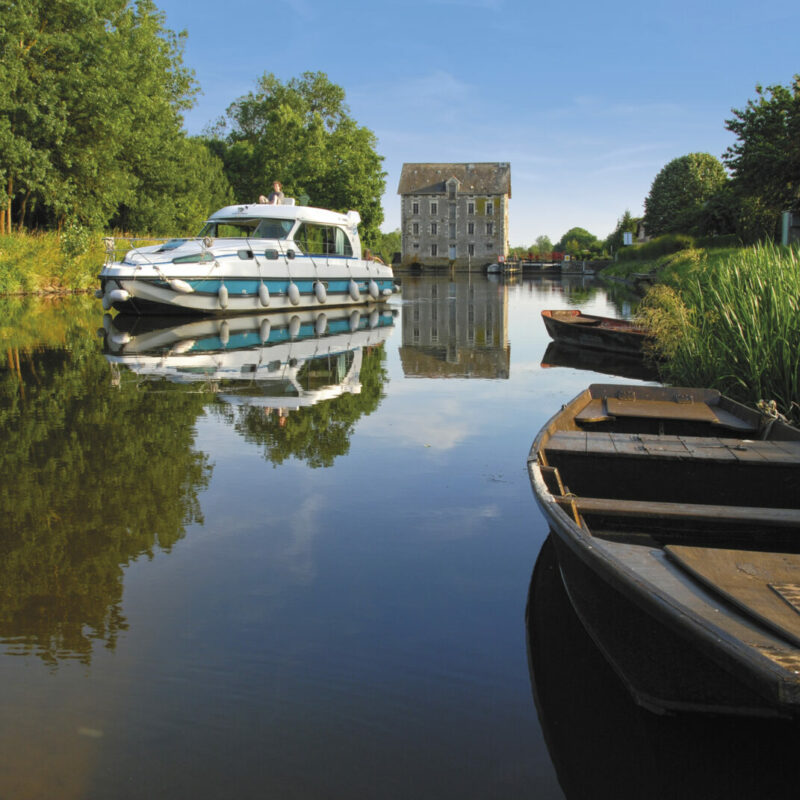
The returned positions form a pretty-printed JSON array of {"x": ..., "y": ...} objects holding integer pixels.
[{"x": 293, "y": 560}]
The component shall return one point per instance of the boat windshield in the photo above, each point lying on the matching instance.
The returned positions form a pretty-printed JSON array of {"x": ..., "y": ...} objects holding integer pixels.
[{"x": 247, "y": 228}]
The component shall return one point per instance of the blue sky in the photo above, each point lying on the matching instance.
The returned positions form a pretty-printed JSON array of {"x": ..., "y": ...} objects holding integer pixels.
[{"x": 586, "y": 100}]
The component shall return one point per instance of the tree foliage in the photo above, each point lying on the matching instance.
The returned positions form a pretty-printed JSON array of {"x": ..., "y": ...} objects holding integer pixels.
[
  {"x": 765, "y": 159},
  {"x": 627, "y": 223},
  {"x": 301, "y": 134},
  {"x": 576, "y": 240},
  {"x": 91, "y": 95},
  {"x": 680, "y": 192}
]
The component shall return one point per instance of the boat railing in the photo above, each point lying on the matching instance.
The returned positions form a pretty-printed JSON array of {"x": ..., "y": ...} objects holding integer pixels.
[{"x": 116, "y": 247}]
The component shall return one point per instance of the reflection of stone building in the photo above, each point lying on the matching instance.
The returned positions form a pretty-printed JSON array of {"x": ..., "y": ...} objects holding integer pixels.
[
  {"x": 454, "y": 213},
  {"x": 455, "y": 328}
]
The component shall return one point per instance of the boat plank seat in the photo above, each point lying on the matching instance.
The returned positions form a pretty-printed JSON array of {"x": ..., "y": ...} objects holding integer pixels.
[
  {"x": 764, "y": 585},
  {"x": 684, "y": 448},
  {"x": 606, "y": 409},
  {"x": 645, "y": 509}
]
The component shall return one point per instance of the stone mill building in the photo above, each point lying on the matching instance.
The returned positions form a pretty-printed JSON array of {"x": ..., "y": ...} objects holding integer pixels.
[{"x": 454, "y": 214}]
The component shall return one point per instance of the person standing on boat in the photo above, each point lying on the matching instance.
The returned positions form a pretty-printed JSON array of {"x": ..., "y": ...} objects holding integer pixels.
[{"x": 276, "y": 195}]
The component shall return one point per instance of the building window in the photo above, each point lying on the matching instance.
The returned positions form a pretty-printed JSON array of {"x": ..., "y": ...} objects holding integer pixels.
[
  {"x": 452, "y": 210},
  {"x": 470, "y": 228},
  {"x": 451, "y": 191},
  {"x": 452, "y": 230},
  {"x": 415, "y": 228},
  {"x": 434, "y": 250},
  {"x": 434, "y": 208},
  {"x": 489, "y": 208},
  {"x": 470, "y": 208},
  {"x": 490, "y": 245},
  {"x": 489, "y": 228},
  {"x": 471, "y": 249},
  {"x": 415, "y": 207},
  {"x": 416, "y": 245},
  {"x": 434, "y": 228}
]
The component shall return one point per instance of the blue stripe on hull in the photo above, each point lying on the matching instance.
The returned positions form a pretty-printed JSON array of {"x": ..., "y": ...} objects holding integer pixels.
[{"x": 246, "y": 287}]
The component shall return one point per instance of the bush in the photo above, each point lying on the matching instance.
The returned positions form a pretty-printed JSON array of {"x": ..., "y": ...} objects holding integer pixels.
[
  {"x": 662, "y": 246},
  {"x": 75, "y": 239}
]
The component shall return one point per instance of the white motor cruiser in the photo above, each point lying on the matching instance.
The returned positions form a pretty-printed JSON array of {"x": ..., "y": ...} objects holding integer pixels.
[{"x": 247, "y": 259}]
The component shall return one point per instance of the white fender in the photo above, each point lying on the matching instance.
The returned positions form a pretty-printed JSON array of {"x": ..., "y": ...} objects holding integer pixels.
[
  {"x": 355, "y": 321},
  {"x": 223, "y": 296},
  {"x": 320, "y": 324},
  {"x": 177, "y": 285},
  {"x": 374, "y": 318},
  {"x": 106, "y": 302},
  {"x": 387, "y": 292},
  {"x": 353, "y": 289},
  {"x": 294, "y": 293},
  {"x": 118, "y": 295},
  {"x": 183, "y": 346},
  {"x": 120, "y": 339},
  {"x": 294, "y": 326},
  {"x": 263, "y": 295},
  {"x": 107, "y": 320},
  {"x": 374, "y": 292},
  {"x": 320, "y": 291},
  {"x": 224, "y": 332},
  {"x": 264, "y": 330}
]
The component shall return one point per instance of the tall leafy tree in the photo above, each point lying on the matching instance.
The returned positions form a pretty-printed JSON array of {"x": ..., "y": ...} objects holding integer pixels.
[
  {"x": 580, "y": 238},
  {"x": 679, "y": 193},
  {"x": 765, "y": 159},
  {"x": 627, "y": 223},
  {"x": 301, "y": 134},
  {"x": 91, "y": 100}
]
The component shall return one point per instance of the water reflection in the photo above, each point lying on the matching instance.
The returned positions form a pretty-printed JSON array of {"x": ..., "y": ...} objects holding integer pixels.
[
  {"x": 455, "y": 327},
  {"x": 603, "y": 745},
  {"x": 93, "y": 477},
  {"x": 608, "y": 363},
  {"x": 268, "y": 374}
]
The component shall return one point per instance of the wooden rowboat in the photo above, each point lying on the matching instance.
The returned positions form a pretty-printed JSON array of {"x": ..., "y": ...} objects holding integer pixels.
[
  {"x": 676, "y": 515},
  {"x": 571, "y": 326}
]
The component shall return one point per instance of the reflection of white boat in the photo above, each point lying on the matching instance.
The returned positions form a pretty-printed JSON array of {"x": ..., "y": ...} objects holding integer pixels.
[
  {"x": 247, "y": 259},
  {"x": 278, "y": 360}
]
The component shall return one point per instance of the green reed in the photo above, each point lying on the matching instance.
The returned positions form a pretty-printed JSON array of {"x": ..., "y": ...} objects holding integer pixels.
[{"x": 733, "y": 323}]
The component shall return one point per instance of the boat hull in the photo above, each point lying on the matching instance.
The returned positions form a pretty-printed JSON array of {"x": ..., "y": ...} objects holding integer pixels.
[
  {"x": 572, "y": 327},
  {"x": 679, "y": 643}
]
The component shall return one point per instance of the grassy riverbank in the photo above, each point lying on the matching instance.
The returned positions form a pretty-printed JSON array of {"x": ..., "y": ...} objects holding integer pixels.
[
  {"x": 49, "y": 262},
  {"x": 730, "y": 319}
]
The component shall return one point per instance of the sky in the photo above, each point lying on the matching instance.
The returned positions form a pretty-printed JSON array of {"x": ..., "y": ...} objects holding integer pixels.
[{"x": 586, "y": 100}]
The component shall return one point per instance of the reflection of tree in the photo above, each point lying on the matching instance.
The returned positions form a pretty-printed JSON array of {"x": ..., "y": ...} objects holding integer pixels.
[
  {"x": 316, "y": 434},
  {"x": 94, "y": 476}
]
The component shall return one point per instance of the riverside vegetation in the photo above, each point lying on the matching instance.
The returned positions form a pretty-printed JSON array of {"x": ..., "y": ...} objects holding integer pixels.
[{"x": 727, "y": 318}]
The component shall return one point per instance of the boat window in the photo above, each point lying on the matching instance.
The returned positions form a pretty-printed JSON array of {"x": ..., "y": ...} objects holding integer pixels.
[
  {"x": 316, "y": 240},
  {"x": 230, "y": 228},
  {"x": 274, "y": 228}
]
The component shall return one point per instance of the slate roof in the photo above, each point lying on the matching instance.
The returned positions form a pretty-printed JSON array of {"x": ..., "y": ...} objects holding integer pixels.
[{"x": 490, "y": 178}]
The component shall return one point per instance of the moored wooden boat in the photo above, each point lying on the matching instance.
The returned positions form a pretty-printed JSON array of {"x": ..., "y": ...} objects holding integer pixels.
[
  {"x": 676, "y": 515},
  {"x": 571, "y": 326}
]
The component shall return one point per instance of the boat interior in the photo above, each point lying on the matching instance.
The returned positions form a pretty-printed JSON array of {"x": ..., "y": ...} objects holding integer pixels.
[{"x": 691, "y": 468}]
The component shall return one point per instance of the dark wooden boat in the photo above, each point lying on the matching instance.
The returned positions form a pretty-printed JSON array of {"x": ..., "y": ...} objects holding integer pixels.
[
  {"x": 676, "y": 515},
  {"x": 571, "y": 326}
]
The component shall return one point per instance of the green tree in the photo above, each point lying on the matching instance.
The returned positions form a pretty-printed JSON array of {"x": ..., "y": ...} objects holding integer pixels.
[
  {"x": 543, "y": 245},
  {"x": 91, "y": 127},
  {"x": 583, "y": 240},
  {"x": 627, "y": 223},
  {"x": 765, "y": 159},
  {"x": 679, "y": 193},
  {"x": 301, "y": 134}
]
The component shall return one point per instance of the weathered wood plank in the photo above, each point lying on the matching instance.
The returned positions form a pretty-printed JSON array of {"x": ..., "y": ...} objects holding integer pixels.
[{"x": 609, "y": 507}]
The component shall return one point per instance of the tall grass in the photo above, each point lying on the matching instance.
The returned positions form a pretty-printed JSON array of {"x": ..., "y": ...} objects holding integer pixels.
[
  {"x": 733, "y": 323},
  {"x": 39, "y": 262}
]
